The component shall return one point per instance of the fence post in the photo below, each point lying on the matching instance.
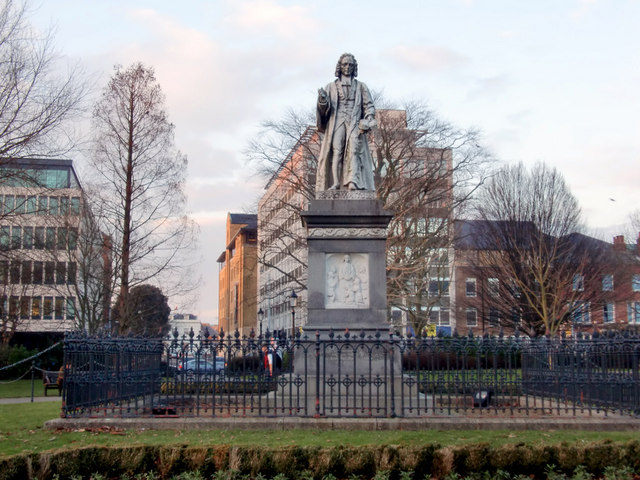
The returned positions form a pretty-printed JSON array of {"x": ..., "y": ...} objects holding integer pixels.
[
  {"x": 32, "y": 379},
  {"x": 317, "y": 414}
]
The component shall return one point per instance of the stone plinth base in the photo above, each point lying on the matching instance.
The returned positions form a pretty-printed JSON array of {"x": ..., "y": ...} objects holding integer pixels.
[{"x": 347, "y": 265}]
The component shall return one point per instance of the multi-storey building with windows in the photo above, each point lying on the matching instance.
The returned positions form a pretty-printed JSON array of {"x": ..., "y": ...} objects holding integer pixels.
[
  {"x": 603, "y": 292},
  {"x": 238, "y": 276},
  {"x": 40, "y": 217},
  {"x": 282, "y": 251}
]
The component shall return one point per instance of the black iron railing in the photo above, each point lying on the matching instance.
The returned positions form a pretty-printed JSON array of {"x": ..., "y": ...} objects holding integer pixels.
[{"x": 346, "y": 375}]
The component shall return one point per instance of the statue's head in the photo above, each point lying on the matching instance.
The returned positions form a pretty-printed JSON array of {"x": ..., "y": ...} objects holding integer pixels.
[{"x": 350, "y": 59}]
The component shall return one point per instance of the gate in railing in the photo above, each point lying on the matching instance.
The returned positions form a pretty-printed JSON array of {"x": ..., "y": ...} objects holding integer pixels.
[{"x": 347, "y": 375}]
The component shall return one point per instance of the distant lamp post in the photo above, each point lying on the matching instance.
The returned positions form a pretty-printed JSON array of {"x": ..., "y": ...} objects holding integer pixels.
[
  {"x": 260, "y": 315},
  {"x": 293, "y": 298}
]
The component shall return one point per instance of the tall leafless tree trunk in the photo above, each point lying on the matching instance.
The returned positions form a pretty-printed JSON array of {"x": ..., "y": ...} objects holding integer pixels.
[
  {"x": 538, "y": 259},
  {"x": 140, "y": 180}
]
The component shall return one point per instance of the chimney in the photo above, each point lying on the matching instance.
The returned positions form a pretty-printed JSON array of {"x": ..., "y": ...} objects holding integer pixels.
[{"x": 618, "y": 243}]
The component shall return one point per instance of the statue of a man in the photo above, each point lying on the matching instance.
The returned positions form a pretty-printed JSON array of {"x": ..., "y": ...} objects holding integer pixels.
[{"x": 345, "y": 113}]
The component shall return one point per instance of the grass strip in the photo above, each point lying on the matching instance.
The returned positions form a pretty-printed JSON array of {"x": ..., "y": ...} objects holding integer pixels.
[{"x": 22, "y": 432}]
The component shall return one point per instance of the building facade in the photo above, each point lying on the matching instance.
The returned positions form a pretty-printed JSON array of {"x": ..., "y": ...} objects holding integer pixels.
[
  {"x": 238, "y": 275},
  {"x": 40, "y": 217},
  {"x": 602, "y": 289},
  {"x": 282, "y": 250}
]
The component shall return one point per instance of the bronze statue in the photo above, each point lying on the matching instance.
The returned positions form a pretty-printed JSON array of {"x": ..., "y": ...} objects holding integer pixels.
[{"x": 345, "y": 113}]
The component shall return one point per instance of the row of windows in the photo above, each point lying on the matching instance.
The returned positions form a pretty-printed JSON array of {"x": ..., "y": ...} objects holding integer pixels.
[
  {"x": 582, "y": 313},
  {"x": 607, "y": 283},
  {"x": 26, "y": 272},
  {"x": 472, "y": 317},
  {"x": 48, "y": 238},
  {"x": 40, "y": 205},
  {"x": 37, "y": 308},
  {"x": 493, "y": 287},
  {"x": 49, "y": 177}
]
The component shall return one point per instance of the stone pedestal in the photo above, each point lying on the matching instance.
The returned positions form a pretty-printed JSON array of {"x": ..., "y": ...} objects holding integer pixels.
[{"x": 346, "y": 235}]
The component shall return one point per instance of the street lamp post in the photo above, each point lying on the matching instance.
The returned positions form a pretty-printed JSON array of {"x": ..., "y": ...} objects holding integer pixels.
[
  {"x": 292, "y": 301},
  {"x": 260, "y": 315}
]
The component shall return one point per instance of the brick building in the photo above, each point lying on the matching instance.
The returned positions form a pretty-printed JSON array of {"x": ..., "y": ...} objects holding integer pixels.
[
  {"x": 238, "y": 275},
  {"x": 603, "y": 294}
]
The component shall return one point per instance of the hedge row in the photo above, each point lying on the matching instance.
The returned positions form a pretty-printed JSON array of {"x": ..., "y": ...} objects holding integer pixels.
[{"x": 342, "y": 462}]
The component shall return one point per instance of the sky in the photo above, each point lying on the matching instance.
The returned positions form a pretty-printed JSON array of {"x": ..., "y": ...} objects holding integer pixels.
[{"x": 553, "y": 80}]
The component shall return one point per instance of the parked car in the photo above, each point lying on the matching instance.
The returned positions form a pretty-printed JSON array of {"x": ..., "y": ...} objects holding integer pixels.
[{"x": 194, "y": 366}]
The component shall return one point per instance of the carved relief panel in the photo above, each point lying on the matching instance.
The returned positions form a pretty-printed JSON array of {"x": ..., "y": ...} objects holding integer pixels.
[{"x": 347, "y": 280}]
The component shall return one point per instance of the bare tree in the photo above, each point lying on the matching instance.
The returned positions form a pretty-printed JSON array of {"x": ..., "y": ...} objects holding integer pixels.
[
  {"x": 36, "y": 102},
  {"x": 425, "y": 170},
  {"x": 535, "y": 260},
  {"x": 140, "y": 181}
]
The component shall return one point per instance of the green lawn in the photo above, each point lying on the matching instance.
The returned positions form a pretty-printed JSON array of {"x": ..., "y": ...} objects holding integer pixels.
[
  {"x": 22, "y": 388},
  {"x": 21, "y": 431}
]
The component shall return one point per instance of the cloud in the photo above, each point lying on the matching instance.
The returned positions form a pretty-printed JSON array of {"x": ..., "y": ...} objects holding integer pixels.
[
  {"x": 489, "y": 87},
  {"x": 584, "y": 8},
  {"x": 426, "y": 58},
  {"x": 267, "y": 16}
]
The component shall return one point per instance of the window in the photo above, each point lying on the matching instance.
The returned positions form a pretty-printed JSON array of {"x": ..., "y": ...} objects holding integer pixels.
[
  {"x": 578, "y": 283},
  {"x": 27, "y": 238},
  {"x": 20, "y": 204},
  {"x": 71, "y": 273},
  {"x": 25, "y": 307},
  {"x": 61, "y": 273},
  {"x": 635, "y": 282},
  {"x": 36, "y": 306},
  {"x": 42, "y": 205},
  {"x": 61, "y": 244},
  {"x": 32, "y": 204},
  {"x": 71, "y": 308},
  {"x": 472, "y": 317},
  {"x": 9, "y": 204},
  {"x": 39, "y": 238},
  {"x": 494, "y": 317},
  {"x": 608, "y": 313},
  {"x": 37, "y": 273},
  {"x": 16, "y": 238},
  {"x": 64, "y": 206},
  {"x": 14, "y": 306},
  {"x": 633, "y": 312},
  {"x": 49, "y": 269},
  {"x": 48, "y": 308},
  {"x": 439, "y": 316},
  {"x": 470, "y": 287},
  {"x": 4, "y": 272},
  {"x": 75, "y": 205},
  {"x": 73, "y": 239},
  {"x": 439, "y": 287},
  {"x": 50, "y": 241},
  {"x": 26, "y": 272},
  {"x": 53, "y": 206},
  {"x": 581, "y": 312},
  {"x": 59, "y": 308},
  {"x": 14, "y": 272},
  {"x": 607, "y": 283},
  {"x": 5, "y": 235},
  {"x": 494, "y": 287}
]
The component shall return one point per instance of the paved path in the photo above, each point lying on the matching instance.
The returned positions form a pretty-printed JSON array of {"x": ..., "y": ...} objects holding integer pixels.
[{"x": 8, "y": 401}]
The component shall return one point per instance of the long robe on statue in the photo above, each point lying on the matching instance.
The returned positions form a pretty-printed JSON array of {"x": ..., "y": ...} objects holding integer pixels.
[{"x": 357, "y": 168}]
